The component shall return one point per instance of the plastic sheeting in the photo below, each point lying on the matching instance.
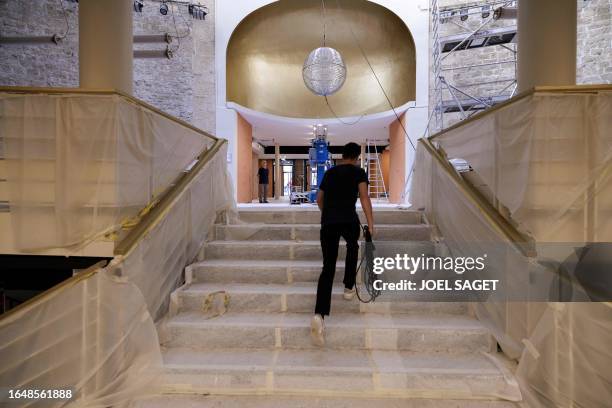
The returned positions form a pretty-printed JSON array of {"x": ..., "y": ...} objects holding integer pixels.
[
  {"x": 95, "y": 339},
  {"x": 466, "y": 232},
  {"x": 157, "y": 262},
  {"x": 80, "y": 165},
  {"x": 547, "y": 158}
]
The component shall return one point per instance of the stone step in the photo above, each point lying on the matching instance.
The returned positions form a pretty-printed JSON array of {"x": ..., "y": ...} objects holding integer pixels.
[
  {"x": 305, "y": 232},
  {"x": 432, "y": 333},
  {"x": 309, "y": 401},
  {"x": 300, "y": 298},
  {"x": 313, "y": 216},
  {"x": 349, "y": 373},
  {"x": 258, "y": 271},
  {"x": 302, "y": 250}
]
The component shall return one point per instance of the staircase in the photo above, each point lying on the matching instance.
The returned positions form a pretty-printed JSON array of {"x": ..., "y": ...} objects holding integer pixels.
[{"x": 259, "y": 353}]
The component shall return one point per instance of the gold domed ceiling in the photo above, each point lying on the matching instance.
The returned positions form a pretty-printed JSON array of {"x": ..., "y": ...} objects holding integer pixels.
[{"x": 268, "y": 48}]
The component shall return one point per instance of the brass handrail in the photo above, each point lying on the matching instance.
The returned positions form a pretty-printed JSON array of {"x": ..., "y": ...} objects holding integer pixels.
[
  {"x": 522, "y": 95},
  {"x": 62, "y": 91},
  {"x": 163, "y": 205},
  {"x": 519, "y": 240},
  {"x": 68, "y": 283}
]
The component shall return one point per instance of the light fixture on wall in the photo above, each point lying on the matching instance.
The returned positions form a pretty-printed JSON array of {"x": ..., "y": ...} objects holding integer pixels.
[
  {"x": 163, "y": 9},
  {"x": 324, "y": 71},
  {"x": 197, "y": 11},
  {"x": 138, "y": 6},
  {"x": 464, "y": 14},
  {"x": 486, "y": 11}
]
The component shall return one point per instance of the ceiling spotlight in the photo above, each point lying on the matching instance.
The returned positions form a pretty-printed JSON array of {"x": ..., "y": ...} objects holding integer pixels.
[
  {"x": 445, "y": 16},
  {"x": 138, "y": 5},
  {"x": 486, "y": 11},
  {"x": 197, "y": 11},
  {"x": 163, "y": 9},
  {"x": 464, "y": 14}
]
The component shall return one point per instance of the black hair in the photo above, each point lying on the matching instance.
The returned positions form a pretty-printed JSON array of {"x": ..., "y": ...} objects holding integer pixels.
[{"x": 351, "y": 151}]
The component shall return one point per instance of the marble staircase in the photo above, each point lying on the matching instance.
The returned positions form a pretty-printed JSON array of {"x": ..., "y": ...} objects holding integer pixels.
[{"x": 260, "y": 349}]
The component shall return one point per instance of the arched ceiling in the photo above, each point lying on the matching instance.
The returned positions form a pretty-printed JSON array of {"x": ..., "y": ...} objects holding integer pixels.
[{"x": 268, "y": 48}]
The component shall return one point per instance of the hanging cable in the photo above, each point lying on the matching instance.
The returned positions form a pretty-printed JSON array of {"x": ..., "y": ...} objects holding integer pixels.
[
  {"x": 324, "y": 21},
  {"x": 340, "y": 119},
  {"x": 324, "y": 17},
  {"x": 377, "y": 79},
  {"x": 61, "y": 37}
]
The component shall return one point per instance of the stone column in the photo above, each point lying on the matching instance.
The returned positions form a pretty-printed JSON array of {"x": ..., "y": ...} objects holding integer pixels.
[
  {"x": 106, "y": 44},
  {"x": 547, "y": 43},
  {"x": 278, "y": 179}
]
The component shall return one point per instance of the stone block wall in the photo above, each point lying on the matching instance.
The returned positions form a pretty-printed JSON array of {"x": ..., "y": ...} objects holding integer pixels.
[
  {"x": 594, "y": 65},
  {"x": 183, "y": 86}
]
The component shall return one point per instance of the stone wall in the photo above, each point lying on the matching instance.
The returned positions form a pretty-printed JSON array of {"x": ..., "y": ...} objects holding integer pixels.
[
  {"x": 183, "y": 86},
  {"x": 593, "y": 65}
]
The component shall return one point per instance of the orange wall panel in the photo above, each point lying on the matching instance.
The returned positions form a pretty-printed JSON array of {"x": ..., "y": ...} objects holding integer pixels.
[
  {"x": 245, "y": 158},
  {"x": 397, "y": 160}
]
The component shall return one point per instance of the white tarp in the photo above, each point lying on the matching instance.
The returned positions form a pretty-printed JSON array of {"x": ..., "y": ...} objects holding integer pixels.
[
  {"x": 80, "y": 165},
  {"x": 94, "y": 339},
  {"x": 548, "y": 159}
]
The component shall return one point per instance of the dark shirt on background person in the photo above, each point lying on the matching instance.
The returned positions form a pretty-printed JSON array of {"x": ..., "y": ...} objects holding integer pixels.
[{"x": 262, "y": 173}]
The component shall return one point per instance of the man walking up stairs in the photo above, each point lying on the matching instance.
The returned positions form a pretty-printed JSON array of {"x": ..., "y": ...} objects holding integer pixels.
[{"x": 336, "y": 200}]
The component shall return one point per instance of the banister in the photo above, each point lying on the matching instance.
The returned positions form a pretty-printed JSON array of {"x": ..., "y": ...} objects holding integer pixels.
[
  {"x": 62, "y": 91},
  {"x": 522, "y": 95},
  {"x": 36, "y": 300},
  {"x": 152, "y": 218},
  {"x": 519, "y": 240}
]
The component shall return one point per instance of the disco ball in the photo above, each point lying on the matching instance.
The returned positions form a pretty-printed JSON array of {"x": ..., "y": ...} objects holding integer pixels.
[{"x": 324, "y": 71}]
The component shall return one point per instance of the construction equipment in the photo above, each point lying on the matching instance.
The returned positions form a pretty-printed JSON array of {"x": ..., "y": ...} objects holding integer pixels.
[
  {"x": 465, "y": 99},
  {"x": 320, "y": 160},
  {"x": 376, "y": 181}
]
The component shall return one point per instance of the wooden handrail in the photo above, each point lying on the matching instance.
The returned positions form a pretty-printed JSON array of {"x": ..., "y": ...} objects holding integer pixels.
[
  {"x": 149, "y": 220},
  {"x": 68, "y": 283},
  {"x": 164, "y": 204},
  {"x": 519, "y": 240}
]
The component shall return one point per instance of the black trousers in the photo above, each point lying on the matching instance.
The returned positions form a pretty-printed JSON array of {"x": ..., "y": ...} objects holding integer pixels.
[{"x": 330, "y": 240}]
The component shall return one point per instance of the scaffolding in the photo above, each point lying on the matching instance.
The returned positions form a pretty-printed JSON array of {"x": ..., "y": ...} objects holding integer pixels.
[{"x": 465, "y": 99}]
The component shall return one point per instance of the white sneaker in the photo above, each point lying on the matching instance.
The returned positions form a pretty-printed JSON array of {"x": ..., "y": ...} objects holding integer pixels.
[
  {"x": 317, "y": 330},
  {"x": 348, "y": 294}
]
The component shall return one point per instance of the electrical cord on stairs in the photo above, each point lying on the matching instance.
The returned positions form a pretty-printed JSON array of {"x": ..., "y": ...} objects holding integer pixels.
[{"x": 368, "y": 275}]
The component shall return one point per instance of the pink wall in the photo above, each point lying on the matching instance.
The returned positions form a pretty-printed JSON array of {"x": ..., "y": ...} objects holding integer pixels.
[
  {"x": 397, "y": 160},
  {"x": 244, "y": 160}
]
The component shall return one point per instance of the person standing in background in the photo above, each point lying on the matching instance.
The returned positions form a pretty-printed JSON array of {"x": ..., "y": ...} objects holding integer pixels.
[{"x": 262, "y": 175}]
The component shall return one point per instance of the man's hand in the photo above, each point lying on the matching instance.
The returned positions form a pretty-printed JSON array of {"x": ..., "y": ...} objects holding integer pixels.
[
  {"x": 366, "y": 204},
  {"x": 320, "y": 199}
]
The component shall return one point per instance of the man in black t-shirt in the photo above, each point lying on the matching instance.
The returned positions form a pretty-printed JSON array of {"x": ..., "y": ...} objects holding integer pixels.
[
  {"x": 336, "y": 199},
  {"x": 262, "y": 174}
]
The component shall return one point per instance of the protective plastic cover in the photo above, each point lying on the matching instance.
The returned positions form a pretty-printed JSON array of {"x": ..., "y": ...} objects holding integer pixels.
[
  {"x": 80, "y": 165},
  {"x": 97, "y": 338},
  {"x": 548, "y": 159},
  {"x": 94, "y": 340}
]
